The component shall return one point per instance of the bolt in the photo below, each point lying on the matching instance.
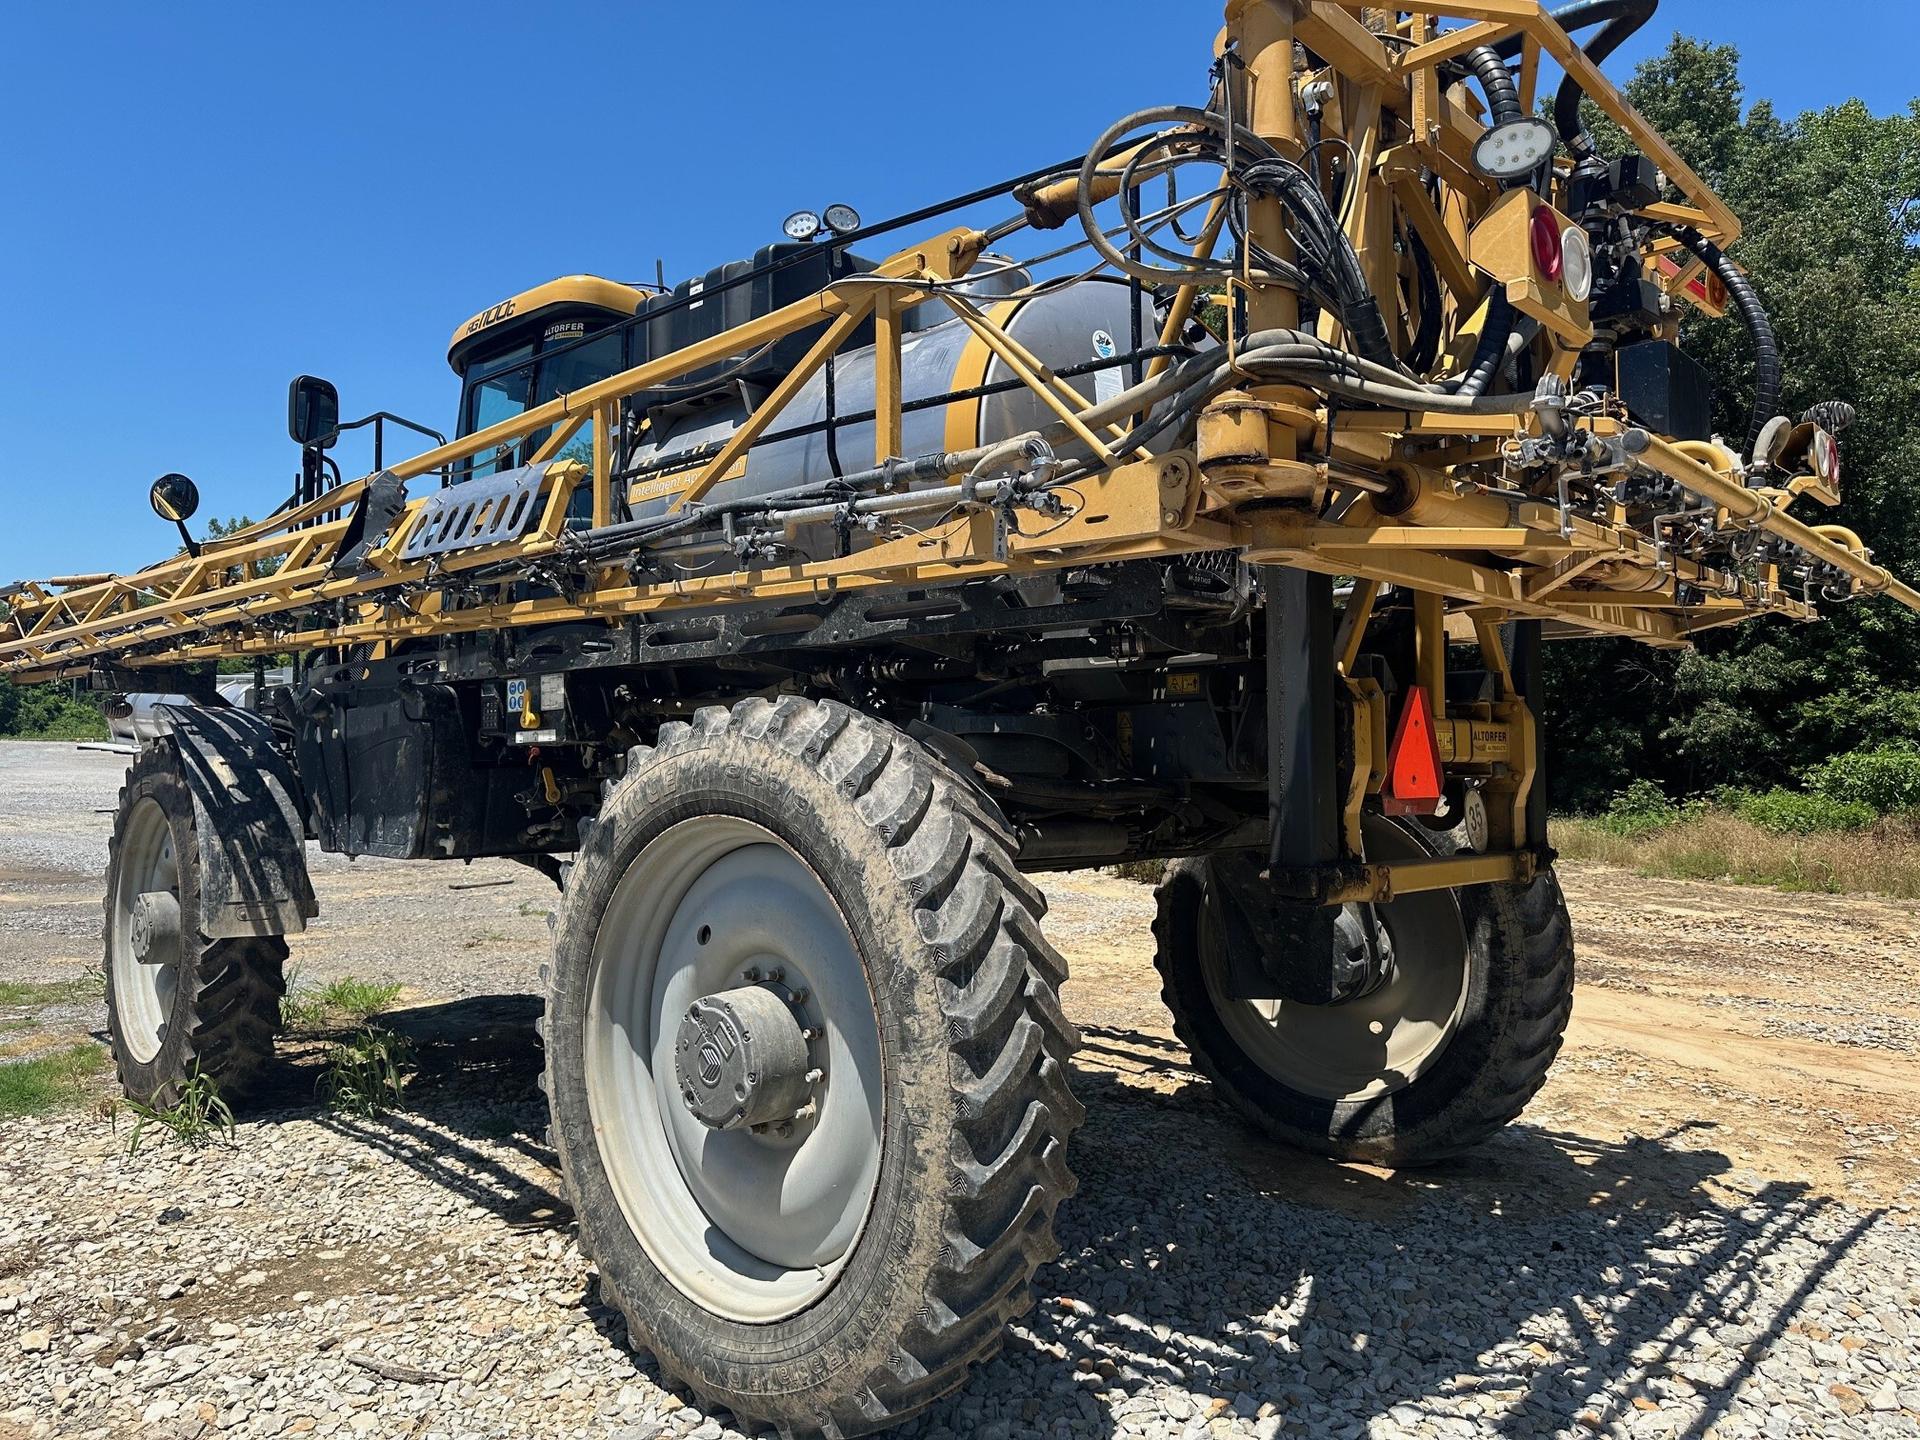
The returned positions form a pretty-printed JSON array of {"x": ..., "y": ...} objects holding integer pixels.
[
  {"x": 783, "y": 1129},
  {"x": 799, "y": 996},
  {"x": 776, "y": 975},
  {"x": 1170, "y": 517},
  {"x": 751, "y": 974},
  {"x": 812, "y": 1032},
  {"x": 815, "y": 1076},
  {"x": 806, "y": 1111}
]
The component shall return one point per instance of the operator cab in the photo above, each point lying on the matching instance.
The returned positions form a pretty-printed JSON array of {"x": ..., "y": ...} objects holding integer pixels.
[
  {"x": 574, "y": 331},
  {"x": 544, "y": 342}
]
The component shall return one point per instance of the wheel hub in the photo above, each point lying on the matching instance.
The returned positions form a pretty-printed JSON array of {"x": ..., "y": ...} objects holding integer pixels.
[
  {"x": 153, "y": 927},
  {"x": 1362, "y": 953},
  {"x": 741, "y": 1060}
]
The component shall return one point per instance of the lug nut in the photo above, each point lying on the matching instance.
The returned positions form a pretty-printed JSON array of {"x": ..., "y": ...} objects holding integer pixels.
[{"x": 815, "y": 1076}]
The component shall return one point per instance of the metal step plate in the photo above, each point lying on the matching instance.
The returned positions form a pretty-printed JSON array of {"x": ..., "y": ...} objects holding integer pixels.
[{"x": 478, "y": 512}]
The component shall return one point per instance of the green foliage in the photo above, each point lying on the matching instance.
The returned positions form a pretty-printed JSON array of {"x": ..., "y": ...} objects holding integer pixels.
[
  {"x": 48, "y": 712},
  {"x": 367, "y": 1074},
  {"x": 47, "y": 1082},
  {"x": 197, "y": 1118},
  {"x": 1833, "y": 245},
  {"x": 1639, "y": 810},
  {"x": 1884, "y": 780},
  {"x": 1795, "y": 812},
  {"x": 343, "y": 1002}
]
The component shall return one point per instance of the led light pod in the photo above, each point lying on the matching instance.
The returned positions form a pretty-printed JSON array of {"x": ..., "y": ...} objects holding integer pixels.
[
  {"x": 802, "y": 225},
  {"x": 1516, "y": 149}
]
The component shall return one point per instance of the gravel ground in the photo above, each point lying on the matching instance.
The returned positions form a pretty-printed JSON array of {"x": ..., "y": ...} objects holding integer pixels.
[{"x": 1600, "y": 1268}]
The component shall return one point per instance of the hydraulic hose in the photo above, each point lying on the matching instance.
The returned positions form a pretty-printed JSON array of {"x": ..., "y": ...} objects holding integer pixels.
[
  {"x": 1491, "y": 353},
  {"x": 1766, "y": 345},
  {"x": 1566, "y": 105},
  {"x": 1425, "y": 352},
  {"x": 1503, "y": 93}
]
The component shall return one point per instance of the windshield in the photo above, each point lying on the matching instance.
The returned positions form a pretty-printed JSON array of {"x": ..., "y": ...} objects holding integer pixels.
[{"x": 507, "y": 384}]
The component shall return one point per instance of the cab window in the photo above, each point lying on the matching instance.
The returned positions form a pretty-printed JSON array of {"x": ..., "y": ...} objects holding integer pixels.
[
  {"x": 500, "y": 394},
  {"x": 573, "y": 369}
]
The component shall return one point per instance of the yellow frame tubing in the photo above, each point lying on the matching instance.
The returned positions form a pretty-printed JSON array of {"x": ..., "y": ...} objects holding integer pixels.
[{"x": 1450, "y": 549}]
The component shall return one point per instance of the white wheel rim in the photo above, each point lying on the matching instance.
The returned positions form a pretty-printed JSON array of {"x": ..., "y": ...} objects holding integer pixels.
[
  {"x": 1382, "y": 1042},
  {"x": 143, "y": 994},
  {"x": 753, "y": 1226}
]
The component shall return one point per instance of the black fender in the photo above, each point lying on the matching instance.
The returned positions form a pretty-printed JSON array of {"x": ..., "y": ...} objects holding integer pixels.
[{"x": 249, "y": 819}]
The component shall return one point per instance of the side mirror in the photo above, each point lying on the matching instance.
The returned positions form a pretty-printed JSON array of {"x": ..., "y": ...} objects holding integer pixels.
[
  {"x": 313, "y": 412},
  {"x": 174, "y": 497}
]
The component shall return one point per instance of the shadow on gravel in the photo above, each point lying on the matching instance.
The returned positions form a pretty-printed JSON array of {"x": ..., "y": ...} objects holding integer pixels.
[
  {"x": 1545, "y": 1276},
  {"x": 478, "y": 1061}
]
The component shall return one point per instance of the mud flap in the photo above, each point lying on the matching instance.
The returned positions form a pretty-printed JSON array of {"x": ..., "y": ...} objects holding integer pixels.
[{"x": 252, "y": 837}]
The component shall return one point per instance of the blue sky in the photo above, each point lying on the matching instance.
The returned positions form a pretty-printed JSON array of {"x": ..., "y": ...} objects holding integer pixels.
[{"x": 199, "y": 201}]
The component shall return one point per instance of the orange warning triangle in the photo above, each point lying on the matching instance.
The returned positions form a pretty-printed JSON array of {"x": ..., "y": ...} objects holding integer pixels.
[{"x": 1414, "y": 778}]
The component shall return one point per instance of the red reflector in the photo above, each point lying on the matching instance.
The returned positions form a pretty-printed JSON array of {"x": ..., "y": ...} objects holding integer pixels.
[
  {"x": 1547, "y": 254},
  {"x": 1414, "y": 778}
]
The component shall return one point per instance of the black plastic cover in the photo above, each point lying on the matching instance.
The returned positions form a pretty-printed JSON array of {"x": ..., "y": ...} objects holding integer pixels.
[
  {"x": 724, "y": 298},
  {"x": 1665, "y": 389}
]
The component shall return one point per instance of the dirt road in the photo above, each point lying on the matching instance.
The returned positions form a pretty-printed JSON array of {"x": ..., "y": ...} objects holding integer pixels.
[{"x": 1705, "y": 1220}]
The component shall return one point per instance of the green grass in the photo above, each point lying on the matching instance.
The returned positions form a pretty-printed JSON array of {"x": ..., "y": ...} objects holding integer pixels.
[
  {"x": 336, "y": 1006},
  {"x": 22, "y": 994},
  {"x": 198, "y": 1118},
  {"x": 367, "y": 1073},
  {"x": 51, "y": 1081}
]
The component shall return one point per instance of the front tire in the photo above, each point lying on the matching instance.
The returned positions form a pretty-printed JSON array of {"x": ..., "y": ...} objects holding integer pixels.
[
  {"x": 1429, "y": 1066},
  {"x": 834, "y": 1263},
  {"x": 179, "y": 1005}
]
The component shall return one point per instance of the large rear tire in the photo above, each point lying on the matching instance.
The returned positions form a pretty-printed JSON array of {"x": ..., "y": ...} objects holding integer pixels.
[
  {"x": 178, "y": 1004},
  {"x": 807, "y": 1067},
  {"x": 1448, "y": 1051}
]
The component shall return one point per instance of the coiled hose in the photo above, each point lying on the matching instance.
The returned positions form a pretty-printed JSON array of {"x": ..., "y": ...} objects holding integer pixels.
[
  {"x": 1766, "y": 345},
  {"x": 1502, "y": 91},
  {"x": 1327, "y": 255}
]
